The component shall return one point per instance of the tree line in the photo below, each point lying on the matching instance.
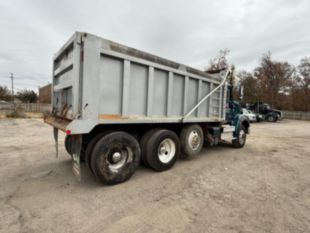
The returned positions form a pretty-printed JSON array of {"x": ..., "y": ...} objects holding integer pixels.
[
  {"x": 26, "y": 96},
  {"x": 278, "y": 83}
]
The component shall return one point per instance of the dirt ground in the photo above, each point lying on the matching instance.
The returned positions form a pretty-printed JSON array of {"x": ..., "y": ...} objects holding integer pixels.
[{"x": 264, "y": 187}]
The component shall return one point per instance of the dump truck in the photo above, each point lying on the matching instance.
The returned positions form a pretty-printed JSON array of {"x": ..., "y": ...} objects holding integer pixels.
[{"x": 120, "y": 106}]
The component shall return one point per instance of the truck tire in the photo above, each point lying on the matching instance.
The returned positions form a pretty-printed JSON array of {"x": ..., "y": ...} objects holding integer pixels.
[
  {"x": 191, "y": 138},
  {"x": 271, "y": 118},
  {"x": 90, "y": 147},
  {"x": 240, "y": 141},
  {"x": 68, "y": 144},
  {"x": 115, "y": 157},
  {"x": 143, "y": 143},
  {"x": 69, "y": 149},
  {"x": 162, "y": 149}
]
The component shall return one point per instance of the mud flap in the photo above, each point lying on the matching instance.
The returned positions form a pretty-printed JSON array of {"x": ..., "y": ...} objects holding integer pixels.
[
  {"x": 56, "y": 141},
  {"x": 76, "y": 155}
]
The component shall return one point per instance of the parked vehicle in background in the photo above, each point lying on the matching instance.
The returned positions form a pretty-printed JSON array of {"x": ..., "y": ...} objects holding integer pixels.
[
  {"x": 259, "y": 117},
  {"x": 119, "y": 105},
  {"x": 269, "y": 114},
  {"x": 249, "y": 114}
]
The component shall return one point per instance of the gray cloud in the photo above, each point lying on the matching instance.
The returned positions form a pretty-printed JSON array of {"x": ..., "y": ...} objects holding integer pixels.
[{"x": 189, "y": 32}]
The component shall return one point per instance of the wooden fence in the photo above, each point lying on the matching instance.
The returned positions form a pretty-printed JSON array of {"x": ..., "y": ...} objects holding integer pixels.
[
  {"x": 27, "y": 107},
  {"x": 296, "y": 115}
]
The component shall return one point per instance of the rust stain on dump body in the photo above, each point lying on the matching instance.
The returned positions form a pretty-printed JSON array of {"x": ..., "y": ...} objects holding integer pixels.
[{"x": 111, "y": 117}]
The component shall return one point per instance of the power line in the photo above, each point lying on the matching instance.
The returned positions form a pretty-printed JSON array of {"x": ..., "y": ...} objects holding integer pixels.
[{"x": 12, "y": 81}]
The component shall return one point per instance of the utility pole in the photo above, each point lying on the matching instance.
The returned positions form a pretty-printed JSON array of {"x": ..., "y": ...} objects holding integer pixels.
[{"x": 12, "y": 82}]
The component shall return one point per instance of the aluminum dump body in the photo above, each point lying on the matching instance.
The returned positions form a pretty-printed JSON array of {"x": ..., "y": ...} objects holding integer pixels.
[{"x": 97, "y": 81}]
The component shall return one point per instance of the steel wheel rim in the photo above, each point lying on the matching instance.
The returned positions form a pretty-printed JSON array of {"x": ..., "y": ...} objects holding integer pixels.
[
  {"x": 194, "y": 140},
  {"x": 118, "y": 157},
  {"x": 166, "y": 150},
  {"x": 241, "y": 137}
]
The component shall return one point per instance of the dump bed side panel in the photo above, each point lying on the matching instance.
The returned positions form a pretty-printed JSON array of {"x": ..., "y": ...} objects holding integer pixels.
[{"x": 137, "y": 90}]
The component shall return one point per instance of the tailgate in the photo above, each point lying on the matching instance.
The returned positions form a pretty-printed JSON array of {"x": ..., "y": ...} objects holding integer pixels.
[
  {"x": 57, "y": 122},
  {"x": 66, "y": 83}
]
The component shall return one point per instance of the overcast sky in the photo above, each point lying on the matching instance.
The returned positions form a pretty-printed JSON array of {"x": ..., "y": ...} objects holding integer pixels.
[{"x": 189, "y": 31}]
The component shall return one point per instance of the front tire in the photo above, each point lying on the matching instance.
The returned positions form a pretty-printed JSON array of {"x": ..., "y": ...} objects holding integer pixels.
[
  {"x": 115, "y": 157},
  {"x": 240, "y": 141},
  {"x": 162, "y": 150},
  {"x": 271, "y": 118}
]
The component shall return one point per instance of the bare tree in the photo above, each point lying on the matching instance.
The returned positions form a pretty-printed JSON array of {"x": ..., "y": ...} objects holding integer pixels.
[
  {"x": 220, "y": 62},
  {"x": 5, "y": 94},
  {"x": 303, "y": 82},
  {"x": 28, "y": 96},
  {"x": 275, "y": 82},
  {"x": 251, "y": 86},
  {"x": 304, "y": 71},
  {"x": 273, "y": 78}
]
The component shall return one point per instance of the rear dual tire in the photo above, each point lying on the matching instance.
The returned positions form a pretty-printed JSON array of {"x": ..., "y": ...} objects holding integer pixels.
[
  {"x": 145, "y": 138},
  {"x": 90, "y": 147},
  {"x": 160, "y": 149},
  {"x": 68, "y": 144},
  {"x": 69, "y": 147},
  {"x": 115, "y": 157}
]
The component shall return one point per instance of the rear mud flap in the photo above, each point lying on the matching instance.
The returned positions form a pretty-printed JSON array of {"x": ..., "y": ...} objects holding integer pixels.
[
  {"x": 76, "y": 152},
  {"x": 76, "y": 155}
]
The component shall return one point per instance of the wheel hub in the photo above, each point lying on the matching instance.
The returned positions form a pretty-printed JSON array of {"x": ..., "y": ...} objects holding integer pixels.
[
  {"x": 166, "y": 150},
  {"x": 116, "y": 157},
  {"x": 194, "y": 140}
]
